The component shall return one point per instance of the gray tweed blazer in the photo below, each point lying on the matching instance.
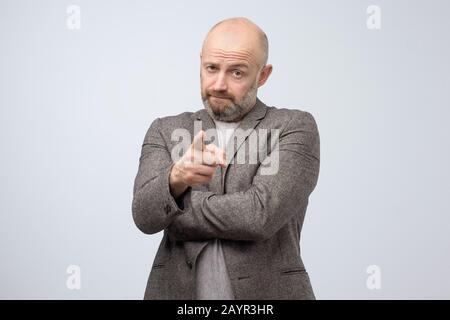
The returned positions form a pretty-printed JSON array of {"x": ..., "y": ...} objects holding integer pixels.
[{"x": 256, "y": 208}]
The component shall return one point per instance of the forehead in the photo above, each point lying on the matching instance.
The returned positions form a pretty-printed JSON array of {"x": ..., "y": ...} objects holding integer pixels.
[
  {"x": 242, "y": 59},
  {"x": 229, "y": 48}
]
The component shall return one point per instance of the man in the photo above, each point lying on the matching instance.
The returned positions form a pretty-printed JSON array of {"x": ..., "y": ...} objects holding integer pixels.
[{"x": 231, "y": 228}]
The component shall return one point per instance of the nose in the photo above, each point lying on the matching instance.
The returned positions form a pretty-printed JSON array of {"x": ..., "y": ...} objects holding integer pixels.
[{"x": 220, "y": 83}]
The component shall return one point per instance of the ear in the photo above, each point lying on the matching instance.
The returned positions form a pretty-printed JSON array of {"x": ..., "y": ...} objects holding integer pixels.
[{"x": 264, "y": 75}]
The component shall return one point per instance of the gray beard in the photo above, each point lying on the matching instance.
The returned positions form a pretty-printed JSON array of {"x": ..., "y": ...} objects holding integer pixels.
[{"x": 234, "y": 112}]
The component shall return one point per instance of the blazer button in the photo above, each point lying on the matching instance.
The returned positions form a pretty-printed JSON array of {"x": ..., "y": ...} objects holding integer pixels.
[{"x": 189, "y": 263}]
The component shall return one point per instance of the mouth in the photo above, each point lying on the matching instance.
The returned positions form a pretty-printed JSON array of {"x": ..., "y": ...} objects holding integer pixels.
[{"x": 222, "y": 98}]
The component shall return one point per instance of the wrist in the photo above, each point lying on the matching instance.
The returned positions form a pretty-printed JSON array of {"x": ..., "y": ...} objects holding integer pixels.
[{"x": 177, "y": 186}]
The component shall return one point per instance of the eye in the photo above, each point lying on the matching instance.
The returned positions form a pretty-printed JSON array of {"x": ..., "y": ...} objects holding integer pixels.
[
  {"x": 237, "y": 73},
  {"x": 211, "y": 68}
]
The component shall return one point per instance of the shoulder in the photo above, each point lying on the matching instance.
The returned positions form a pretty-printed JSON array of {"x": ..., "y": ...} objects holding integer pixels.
[
  {"x": 169, "y": 123},
  {"x": 175, "y": 120},
  {"x": 162, "y": 127},
  {"x": 288, "y": 117}
]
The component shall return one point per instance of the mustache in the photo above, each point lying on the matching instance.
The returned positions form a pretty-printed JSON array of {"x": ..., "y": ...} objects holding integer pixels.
[{"x": 219, "y": 96}]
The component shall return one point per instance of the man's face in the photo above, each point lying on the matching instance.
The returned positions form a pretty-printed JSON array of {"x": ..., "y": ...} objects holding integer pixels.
[{"x": 229, "y": 83}]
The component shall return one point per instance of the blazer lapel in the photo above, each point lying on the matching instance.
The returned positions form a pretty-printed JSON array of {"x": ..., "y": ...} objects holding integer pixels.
[{"x": 246, "y": 127}]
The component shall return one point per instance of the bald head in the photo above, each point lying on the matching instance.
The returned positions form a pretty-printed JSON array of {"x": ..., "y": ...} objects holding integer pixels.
[
  {"x": 233, "y": 67},
  {"x": 236, "y": 34}
]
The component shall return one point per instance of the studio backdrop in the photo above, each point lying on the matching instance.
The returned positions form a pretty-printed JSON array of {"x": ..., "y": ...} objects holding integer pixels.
[{"x": 81, "y": 82}]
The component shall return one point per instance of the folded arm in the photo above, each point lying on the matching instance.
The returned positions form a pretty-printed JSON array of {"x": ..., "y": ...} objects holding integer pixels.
[{"x": 272, "y": 200}]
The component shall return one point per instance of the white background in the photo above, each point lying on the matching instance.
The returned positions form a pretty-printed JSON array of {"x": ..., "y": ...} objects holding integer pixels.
[{"x": 75, "y": 106}]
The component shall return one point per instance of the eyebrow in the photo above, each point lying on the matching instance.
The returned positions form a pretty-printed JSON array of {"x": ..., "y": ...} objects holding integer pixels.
[{"x": 235, "y": 65}]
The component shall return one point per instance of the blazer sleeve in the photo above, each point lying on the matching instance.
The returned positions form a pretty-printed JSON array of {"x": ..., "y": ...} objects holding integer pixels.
[
  {"x": 153, "y": 206},
  {"x": 271, "y": 201}
]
